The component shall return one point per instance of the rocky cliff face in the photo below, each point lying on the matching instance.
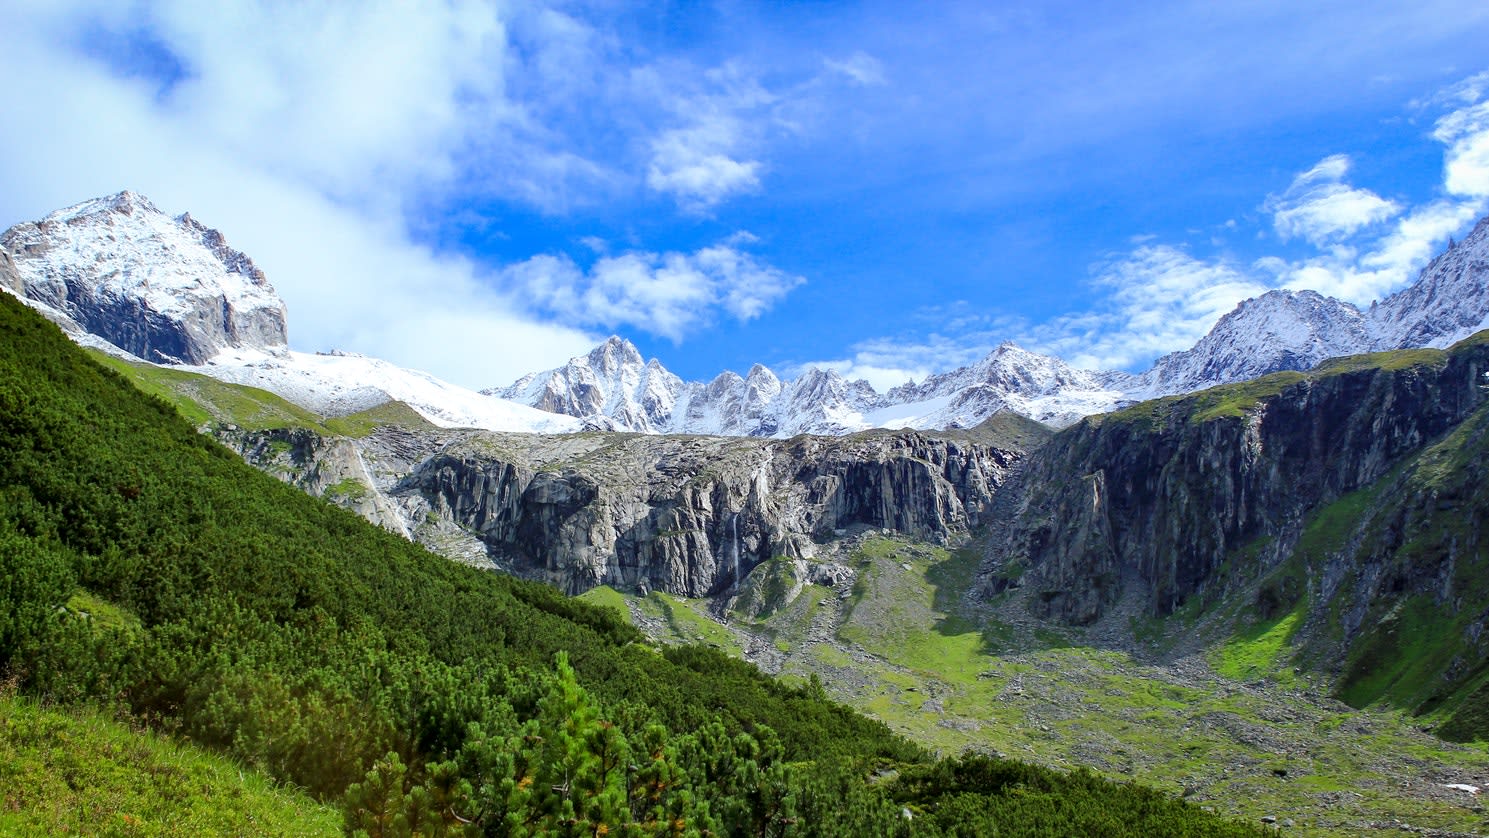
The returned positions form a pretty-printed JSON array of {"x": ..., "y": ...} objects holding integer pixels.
[
  {"x": 330, "y": 467},
  {"x": 166, "y": 290},
  {"x": 10, "y": 280},
  {"x": 1156, "y": 499},
  {"x": 1406, "y": 585},
  {"x": 683, "y": 514}
]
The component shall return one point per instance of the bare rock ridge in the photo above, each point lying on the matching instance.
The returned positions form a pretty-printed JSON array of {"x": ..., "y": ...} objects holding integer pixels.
[
  {"x": 167, "y": 290},
  {"x": 682, "y": 514}
]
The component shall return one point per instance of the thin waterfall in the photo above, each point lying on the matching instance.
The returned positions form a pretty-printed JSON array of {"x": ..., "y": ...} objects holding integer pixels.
[{"x": 734, "y": 550}]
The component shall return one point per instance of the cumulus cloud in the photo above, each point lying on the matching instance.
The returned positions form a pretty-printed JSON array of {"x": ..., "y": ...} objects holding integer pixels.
[
  {"x": 667, "y": 294},
  {"x": 327, "y": 93},
  {"x": 695, "y": 165},
  {"x": 312, "y": 135},
  {"x": 1320, "y": 207},
  {"x": 705, "y": 157}
]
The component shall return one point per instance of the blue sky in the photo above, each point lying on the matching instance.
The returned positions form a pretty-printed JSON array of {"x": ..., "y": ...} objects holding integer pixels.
[{"x": 481, "y": 190}]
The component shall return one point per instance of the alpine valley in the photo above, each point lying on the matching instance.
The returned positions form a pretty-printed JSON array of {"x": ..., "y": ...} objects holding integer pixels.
[{"x": 1252, "y": 577}]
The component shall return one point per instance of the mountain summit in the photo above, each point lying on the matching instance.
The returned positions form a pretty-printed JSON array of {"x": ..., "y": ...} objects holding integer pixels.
[
  {"x": 610, "y": 388},
  {"x": 165, "y": 289}
]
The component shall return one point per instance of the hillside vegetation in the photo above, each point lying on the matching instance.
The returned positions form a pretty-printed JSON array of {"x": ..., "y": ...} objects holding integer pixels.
[{"x": 147, "y": 569}]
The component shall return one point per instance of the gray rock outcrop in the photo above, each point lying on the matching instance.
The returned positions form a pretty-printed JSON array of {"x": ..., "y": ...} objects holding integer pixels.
[
  {"x": 688, "y": 515},
  {"x": 10, "y": 280}
]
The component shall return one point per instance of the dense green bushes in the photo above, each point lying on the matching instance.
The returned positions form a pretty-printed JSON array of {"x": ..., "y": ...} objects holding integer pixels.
[{"x": 339, "y": 657}]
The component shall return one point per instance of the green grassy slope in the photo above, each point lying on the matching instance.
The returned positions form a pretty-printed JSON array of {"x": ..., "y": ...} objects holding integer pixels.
[
  {"x": 1422, "y": 534},
  {"x": 67, "y": 772}
]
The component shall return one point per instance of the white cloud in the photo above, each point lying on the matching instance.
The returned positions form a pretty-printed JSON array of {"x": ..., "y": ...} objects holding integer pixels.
[
  {"x": 706, "y": 157},
  {"x": 936, "y": 352},
  {"x": 889, "y": 362},
  {"x": 1319, "y": 207},
  {"x": 881, "y": 379},
  {"x": 1465, "y": 131},
  {"x": 1371, "y": 268},
  {"x": 329, "y": 93},
  {"x": 1154, "y": 300},
  {"x": 1161, "y": 299},
  {"x": 694, "y": 164},
  {"x": 668, "y": 294},
  {"x": 1388, "y": 263}
]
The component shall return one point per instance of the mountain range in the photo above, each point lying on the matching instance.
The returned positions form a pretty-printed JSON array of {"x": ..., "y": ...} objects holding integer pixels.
[
  {"x": 614, "y": 388},
  {"x": 121, "y": 275}
]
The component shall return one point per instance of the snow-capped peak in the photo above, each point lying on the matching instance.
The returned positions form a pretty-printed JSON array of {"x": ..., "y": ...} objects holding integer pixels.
[
  {"x": 118, "y": 272},
  {"x": 615, "y": 356},
  {"x": 611, "y": 387},
  {"x": 165, "y": 289},
  {"x": 1280, "y": 330},
  {"x": 1009, "y": 377},
  {"x": 1449, "y": 301}
]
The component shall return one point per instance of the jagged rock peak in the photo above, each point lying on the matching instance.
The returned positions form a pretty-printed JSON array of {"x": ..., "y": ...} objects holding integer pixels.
[
  {"x": 615, "y": 354},
  {"x": 123, "y": 203},
  {"x": 165, "y": 289},
  {"x": 611, "y": 387}
]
